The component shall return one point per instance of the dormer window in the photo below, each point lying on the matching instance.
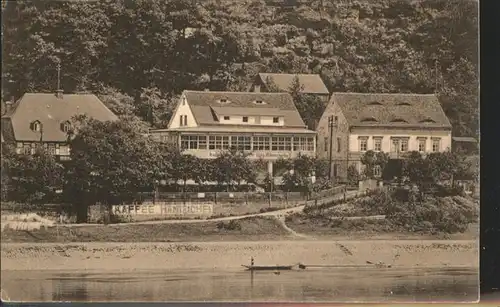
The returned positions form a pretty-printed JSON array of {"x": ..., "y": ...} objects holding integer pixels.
[
  {"x": 36, "y": 126},
  {"x": 66, "y": 127},
  {"x": 427, "y": 120},
  {"x": 259, "y": 102},
  {"x": 369, "y": 120},
  {"x": 276, "y": 120},
  {"x": 223, "y": 101},
  {"x": 227, "y": 117},
  {"x": 398, "y": 120}
]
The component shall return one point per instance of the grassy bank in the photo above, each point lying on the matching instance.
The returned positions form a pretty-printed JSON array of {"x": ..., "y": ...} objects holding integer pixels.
[
  {"x": 245, "y": 229},
  {"x": 248, "y": 229}
]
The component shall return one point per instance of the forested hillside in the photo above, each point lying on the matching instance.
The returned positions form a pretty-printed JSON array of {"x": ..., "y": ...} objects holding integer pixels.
[{"x": 138, "y": 55}]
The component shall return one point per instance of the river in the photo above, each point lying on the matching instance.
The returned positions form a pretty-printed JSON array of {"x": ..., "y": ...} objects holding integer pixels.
[{"x": 325, "y": 285}]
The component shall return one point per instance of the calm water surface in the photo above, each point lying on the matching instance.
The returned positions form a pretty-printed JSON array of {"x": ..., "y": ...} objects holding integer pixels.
[{"x": 333, "y": 284}]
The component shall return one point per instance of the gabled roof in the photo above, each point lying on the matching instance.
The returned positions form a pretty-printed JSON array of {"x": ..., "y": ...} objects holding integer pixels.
[
  {"x": 203, "y": 104},
  {"x": 391, "y": 110},
  {"x": 51, "y": 112},
  {"x": 312, "y": 83}
]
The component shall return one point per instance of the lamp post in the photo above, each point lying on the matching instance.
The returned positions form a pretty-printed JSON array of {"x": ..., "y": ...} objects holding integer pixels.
[
  {"x": 331, "y": 123},
  {"x": 155, "y": 187}
]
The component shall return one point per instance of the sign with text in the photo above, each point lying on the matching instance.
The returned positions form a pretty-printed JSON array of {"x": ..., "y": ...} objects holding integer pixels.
[{"x": 165, "y": 209}]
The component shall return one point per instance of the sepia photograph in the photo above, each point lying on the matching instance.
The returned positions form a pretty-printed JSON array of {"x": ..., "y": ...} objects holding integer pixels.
[{"x": 240, "y": 151}]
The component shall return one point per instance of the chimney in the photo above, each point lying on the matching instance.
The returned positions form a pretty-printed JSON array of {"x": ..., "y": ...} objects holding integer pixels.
[
  {"x": 59, "y": 94},
  {"x": 8, "y": 105}
]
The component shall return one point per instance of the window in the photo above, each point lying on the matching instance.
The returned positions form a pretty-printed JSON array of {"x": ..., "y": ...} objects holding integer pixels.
[
  {"x": 51, "y": 148},
  {"x": 326, "y": 144},
  {"x": 241, "y": 142},
  {"x": 276, "y": 120},
  {"x": 202, "y": 142},
  {"x": 27, "y": 149},
  {"x": 436, "y": 145},
  {"x": 335, "y": 170},
  {"x": 377, "y": 144},
  {"x": 309, "y": 143},
  {"x": 183, "y": 100},
  {"x": 183, "y": 120},
  {"x": 404, "y": 145},
  {"x": 363, "y": 144},
  {"x": 223, "y": 100},
  {"x": 36, "y": 126},
  {"x": 377, "y": 171},
  {"x": 303, "y": 144},
  {"x": 218, "y": 142},
  {"x": 66, "y": 126},
  {"x": 421, "y": 145},
  {"x": 193, "y": 142},
  {"x": 226, "y": 117},
  {"x": 245, "y": 119},
  {"x": 281, "y": 143},
  {"x": 258, "y": 101},
  {"x": 260, "y": 143},
  {"x": 338, "y": 144},
  {"x": 395, "y": 145}
]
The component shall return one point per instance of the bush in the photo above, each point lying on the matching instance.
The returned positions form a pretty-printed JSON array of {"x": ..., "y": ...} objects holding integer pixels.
[
  {"x": 448, "y": 215},
  {"x": 269, "y": 209},
  {"x": 231, "y": 225}
]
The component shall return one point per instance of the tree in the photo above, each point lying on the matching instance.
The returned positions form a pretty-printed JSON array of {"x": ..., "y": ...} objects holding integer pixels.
[
  {"x": 233, "y": 167},
  {"x": 32, "y": 179},
  {"x": 444, "y": 166},
  {"x": 418, "y": 169},
  {"x": 111, "y": 162},
  {"x": 372, "y": 159},
  {"x": 310, "y": 107},
  {"x": 377, "y": 46},
  {"x": 188, "y": 167},
  {"x": 353, "y": 175},
  {"x": 300, "y": 171}
]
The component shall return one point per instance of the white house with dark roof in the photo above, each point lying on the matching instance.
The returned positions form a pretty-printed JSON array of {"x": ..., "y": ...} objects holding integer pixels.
[
  {"x": 311, "y": 83},
  {"x": 45, "y": 118},
  {"x": 391, "y": 123},
  {"x": 266, "y": 125}
]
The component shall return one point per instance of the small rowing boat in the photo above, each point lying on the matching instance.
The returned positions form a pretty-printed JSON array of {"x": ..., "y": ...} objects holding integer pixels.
[{"x": 268, "y": 267}]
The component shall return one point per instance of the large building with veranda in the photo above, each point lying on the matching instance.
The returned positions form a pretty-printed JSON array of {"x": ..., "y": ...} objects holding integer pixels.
[{"x": 267, "y": 126}]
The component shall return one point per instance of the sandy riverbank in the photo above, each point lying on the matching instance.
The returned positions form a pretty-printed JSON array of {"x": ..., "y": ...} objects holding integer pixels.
[{"x": 226, "y": 255}]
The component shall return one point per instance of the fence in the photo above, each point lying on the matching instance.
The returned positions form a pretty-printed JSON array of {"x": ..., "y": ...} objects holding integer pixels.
[
  {"x": 224, "y": 197},
  {"x": 333, "y": 191}
]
